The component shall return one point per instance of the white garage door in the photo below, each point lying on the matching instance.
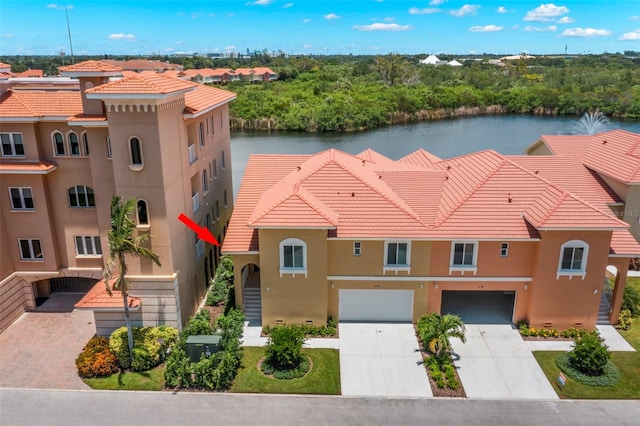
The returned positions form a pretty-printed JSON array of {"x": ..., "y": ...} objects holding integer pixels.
[{"x": 376, "y": 305}]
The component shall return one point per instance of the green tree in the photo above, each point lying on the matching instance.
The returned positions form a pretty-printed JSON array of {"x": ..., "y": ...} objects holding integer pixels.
[
  {"x": 435, "y": 330},
  {"x": 123, "y": 242}
]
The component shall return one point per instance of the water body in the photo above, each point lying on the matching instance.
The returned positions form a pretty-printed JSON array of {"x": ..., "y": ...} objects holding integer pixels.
[{"x": 445, "y": 138}]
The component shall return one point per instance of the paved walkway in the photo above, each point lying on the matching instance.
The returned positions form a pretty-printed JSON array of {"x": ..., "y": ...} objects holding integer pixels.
[
  {"x": 39, "y": 350},
  {"x": 251, "y": 337},
  {"x": 381, "y": 360},
  {"x": 496, "y": 363},
  {"x": 612, "y": 338}
]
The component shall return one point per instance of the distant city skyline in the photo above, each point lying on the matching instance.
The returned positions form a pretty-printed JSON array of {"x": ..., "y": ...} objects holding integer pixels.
[{"x": 31, "y": 27}]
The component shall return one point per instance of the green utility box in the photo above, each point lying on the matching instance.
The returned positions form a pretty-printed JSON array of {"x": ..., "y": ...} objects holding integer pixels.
[{"x": 205, "y": 344}]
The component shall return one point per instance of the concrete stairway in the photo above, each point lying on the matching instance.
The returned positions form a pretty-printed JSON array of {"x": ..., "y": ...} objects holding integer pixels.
[
  {"x": 603, "y": 312},
  {"x": 252, "y": 304}
]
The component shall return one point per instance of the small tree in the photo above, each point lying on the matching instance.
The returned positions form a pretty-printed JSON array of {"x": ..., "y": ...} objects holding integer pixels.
[
  {"x": 631, "y": 300},
  {"x": 284, "y": 350},
  {"x": 435, "y": 330},
  {"x": 589, "y": 355}
]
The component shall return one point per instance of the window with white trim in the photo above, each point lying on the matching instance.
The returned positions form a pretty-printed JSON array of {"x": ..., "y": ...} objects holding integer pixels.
[
  {"x": 211, "y": 171},
  {"x": 357, "y": 248},
  {"x": 74, "y": 144},
  {"x": 88, "y": 246},
  {"x": 108, "y": 147},
  {"x": 573, "y": 259},
  {"x": 223, "y": 163},
  {"x": 201, "y": 134},
  {"x": 205, "y": 183},
  {"x": 30, "y": 249},
  {"x": 142, "y": 213},
  {"x": 58, "y": 144},
  {"x": 81, "y": 196},
  {"x": 21, "y": 198},
  {"x": 12, "y": 145},
  {"x": 464, "y": 256},
  {"x": 293, "y": 257},
  {"x": 397, "y": 255},
  {"x": 504, "y": 249},
  {"x": 215, "y": 169},
  {"x": 85, "y": 143},
  {"x": 135, "y": 152}
]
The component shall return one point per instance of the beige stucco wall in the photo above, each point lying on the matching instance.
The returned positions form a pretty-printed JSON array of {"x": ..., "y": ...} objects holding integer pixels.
[
  {"x": 539, "y": 148},
  {"x": 17, "y": 297},
  {"x": 341, "y": 260}
]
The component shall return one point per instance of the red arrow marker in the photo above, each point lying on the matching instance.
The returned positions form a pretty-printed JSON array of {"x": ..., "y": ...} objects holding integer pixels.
[{"x": 203, "y": 233}]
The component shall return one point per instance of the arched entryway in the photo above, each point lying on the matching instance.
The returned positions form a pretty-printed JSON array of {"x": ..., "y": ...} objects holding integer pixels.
[
  {"x": 251, "y": 297},
  {"x": 614, "y": 283}
]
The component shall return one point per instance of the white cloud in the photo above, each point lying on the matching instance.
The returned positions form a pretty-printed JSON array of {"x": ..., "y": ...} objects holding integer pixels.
[
  {"x": 633, "y": 35},
  {"x": 437, "y": 2},
  {"x": 306, "y": 20},
  {"x": 529, "y": 29},
  {"x": 424, "y": 11},
  {"x": 288, "y": 5},
  {"x": 379, "y": 26},
  {"x": 7, "y": 35},
  {"x": 467, "y": 9},
  {"x": 168, "y": 49},
  {"x": 566, "y": 20},
  {"x": 634, "y": 18},
  {"x": 57, "y": 6},
  {"x": 121, "y": 36},
  {"x": 585, "y": 32},
  {"x": 331, "y": 16},
  {"x": 503, "y": 9},
  {"x": 307, "y": 46},
  {"x": 389, "y": 19},
  {"x": 230, "y": 48},
  {"x": 260, "y": 3},
  {"x": 545, "y": 13},
  {"x": 485, "y": 29}
]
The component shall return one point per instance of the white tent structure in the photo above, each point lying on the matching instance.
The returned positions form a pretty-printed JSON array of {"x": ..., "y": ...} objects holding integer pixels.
[
  {"x": 430, "y": 60},
  {"x": 454, "y": 63}
]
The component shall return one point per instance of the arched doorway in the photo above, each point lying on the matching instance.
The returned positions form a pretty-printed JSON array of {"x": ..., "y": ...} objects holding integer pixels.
[{"x": 251, "y": 297}]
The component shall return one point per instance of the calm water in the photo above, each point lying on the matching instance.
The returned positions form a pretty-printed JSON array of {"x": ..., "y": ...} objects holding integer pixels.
[{"x": 447, "y": 138}]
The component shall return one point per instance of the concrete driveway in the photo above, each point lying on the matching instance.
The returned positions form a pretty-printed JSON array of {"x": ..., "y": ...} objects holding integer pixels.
[
  {"x": 39, "y": 350},
  {"x": 496, "y": 363},
  {"x": 381, "y": 360}
]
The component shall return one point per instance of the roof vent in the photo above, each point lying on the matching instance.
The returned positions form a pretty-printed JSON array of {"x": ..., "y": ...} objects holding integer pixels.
[
  {"x": 364, "y": 162},
  {"x": 298, "y": 168},
  {"x": 353, "y": 194},
  {"x": 604, "y": 142},
  {"x": 509, "y": 198},
  {"x": 448, "y": 167},
  {"x": 536, "y": 172}
]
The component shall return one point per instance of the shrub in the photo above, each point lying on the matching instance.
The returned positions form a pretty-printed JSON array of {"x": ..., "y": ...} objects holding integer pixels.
[
  {"x": 198, "y": 324},
  {"x": 177, "y": 372},
  {"x": 589, "y": 355},
  {"x": 631, "y": 300},
  {"x": 219, "y": 285},
  {"x": 96, "y": 359},
  {"x": 609, "y": 377},
  {"x": 625, "y": 319},
  {"x": 150, "y": 344},
  {"x": 308, "y": 330},
  {"x": 284, "y": 350},
  {"x": 303, "y": 368}
]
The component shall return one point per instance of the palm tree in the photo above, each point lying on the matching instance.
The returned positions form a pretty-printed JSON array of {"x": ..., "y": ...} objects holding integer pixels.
[
  {"x": 122, "y": 241},
  {"x": 435, "y": 330}
]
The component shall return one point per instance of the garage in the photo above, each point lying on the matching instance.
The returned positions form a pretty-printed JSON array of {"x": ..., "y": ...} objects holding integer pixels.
[
  {"x": 480, "y": 307},
  {"x": 376, "y": 305}
]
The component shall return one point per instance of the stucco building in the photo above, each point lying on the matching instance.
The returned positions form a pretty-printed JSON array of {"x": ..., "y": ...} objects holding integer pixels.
[
  {"x": 366, "y": 238},
  {"x": 66, "y": 151}
]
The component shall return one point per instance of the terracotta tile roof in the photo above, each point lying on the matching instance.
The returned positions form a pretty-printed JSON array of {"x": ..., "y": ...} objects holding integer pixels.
[
  {"x": 3, "y": 65},
  {"x": 87, "y": 117},
  {"x": 34, "y": 103},
  {"x": 30, "y": 73},
  {"x": 98, "y": 298},
  {"x": 143, "y": 84},
  {"x": 203, "y": 97},
  {"x": 89, "y": 67},
  {"x": 373, "y": 156},
  {"x": 420, "y": 158},
  {"x": 623, "y": 244},
  {"x": 7, "y": 74},
  {"x": 26, "y": 167},
  {"x": 142, "y": 65}
]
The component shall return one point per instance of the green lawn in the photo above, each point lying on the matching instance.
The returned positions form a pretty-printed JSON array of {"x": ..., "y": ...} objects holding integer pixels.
[
  {"x": 130, "y": 380},
  {"x": 627, "y": 362},
  {"x": 324, "y": 377}
]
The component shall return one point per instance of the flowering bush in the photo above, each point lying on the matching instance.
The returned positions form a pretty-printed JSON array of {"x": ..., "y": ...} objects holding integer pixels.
[
  {"x": 96, "y": 359},
  {"x": 552, "y": 333}
]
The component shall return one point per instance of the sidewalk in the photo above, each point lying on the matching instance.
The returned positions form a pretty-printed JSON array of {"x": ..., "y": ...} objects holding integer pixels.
[
  {"x": 251, "y": 337},
  {"x": 612, "y": 338}
]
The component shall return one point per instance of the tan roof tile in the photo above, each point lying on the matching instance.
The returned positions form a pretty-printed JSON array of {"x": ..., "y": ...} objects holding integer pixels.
[
  {"x": 144, "y": 83},
  {"x": 89, "y": 67},
  {"x": 203, "y": 97},
  {"x": 98, "y": 298},
  {"x": 26, "y": 167},
  {"x": 34, "y": 103}
]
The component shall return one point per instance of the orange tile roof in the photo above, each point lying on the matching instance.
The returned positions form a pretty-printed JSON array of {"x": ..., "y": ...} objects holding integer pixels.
[
  {"x": 420, "y": 158},
  {"x": 87, "y": 117},
  {"x": 27, "y": 167},
  {"x": 30, "y": 73},
  {"x": 34, "y": 103},
  {"x": 623, "y": 244},
  {"x": 203, "y": 97},
  {"x": 143, "y": 84},
  {"x": 98, "y": 298},
  {"x": 3, "y": 65},
  {"x": 90, "y": 67}
]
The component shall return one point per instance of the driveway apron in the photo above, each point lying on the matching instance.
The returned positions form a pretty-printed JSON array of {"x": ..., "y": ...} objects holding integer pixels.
[{"x": 381, "y": 360}]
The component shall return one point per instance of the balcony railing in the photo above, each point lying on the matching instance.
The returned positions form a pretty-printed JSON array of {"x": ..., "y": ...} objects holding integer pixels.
[
  {"x": 196, "y": 201},
  {"x": 199, "y": 248},
  {"x": 192, "y": 154}
]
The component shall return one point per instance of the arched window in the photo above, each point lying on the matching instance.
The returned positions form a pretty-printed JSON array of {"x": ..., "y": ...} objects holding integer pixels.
[
  {"x": 293, "y": 257},
  {"x": 201, "y": 134},
  {"x": 135, "y": 151},
  {"x": 81, "y": 196},
  {"x": 142, "y": 213},
  {"x": 85, "y": 143},
  {"x": 74, "y": 144},
  {"x": 58, "y": 144},
  {"x": 573, "y": 259}
]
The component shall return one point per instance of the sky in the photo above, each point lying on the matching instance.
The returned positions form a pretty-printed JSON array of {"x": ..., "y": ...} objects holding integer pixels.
[{"x": 31, "y": 27}]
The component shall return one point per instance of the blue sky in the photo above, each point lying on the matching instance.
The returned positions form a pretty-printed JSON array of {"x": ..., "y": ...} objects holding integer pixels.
[{"x": 320, "y": 26}]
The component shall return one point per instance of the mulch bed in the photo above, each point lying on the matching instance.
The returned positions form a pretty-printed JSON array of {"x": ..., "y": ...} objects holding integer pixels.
[
  {"x": 540, "y": 338},
  {"x": 215, "y": 311},
  {"x": 261, "y": 360}
]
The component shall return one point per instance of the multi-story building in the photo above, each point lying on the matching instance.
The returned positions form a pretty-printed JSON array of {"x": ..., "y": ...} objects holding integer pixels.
[
  {"x": 364, "y": 238},
  {"x": 65, "y": 152}
]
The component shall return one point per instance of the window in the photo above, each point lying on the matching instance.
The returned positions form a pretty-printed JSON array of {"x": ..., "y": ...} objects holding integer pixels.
[
  {"x": 88, "y": 246},
  {"x": 205, "y": 182},
  {"x": 142, "y": 213},
  {"x": 213, "y": 130},
  {"x": 12, "y": 145},
  {"x": 397, "y": 255},
  {"x": 210, "y": 171},
  {"x": 215, "y": 169},
  {"x": 74, "y": 144},
  {"x": 463, "y": 256},
  {"x": 81, "y": 196},
  {"x": 573, "y": 259},
  {"x": 21, "y": 199},
  {"x": 217, "y": 210},
  {"x": 293, "y": 256},
  {"x": 58, "y": 144},
  {"x": 208, "y": 221},
  {"x": 225, "y": 198},
  {"x": 504, "y": 249},
  {"x": 135, "y": 150},
  {"x": 223, "y": 162},
  {"x": 357, "y": 248},
  {"x": 108, "y": 147},
  {"x": 221, "y": 121},
  {"x": 201, "y": 134},
  {"x": 85, "y": 143},
  {"x": 30, "y": 249}
]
